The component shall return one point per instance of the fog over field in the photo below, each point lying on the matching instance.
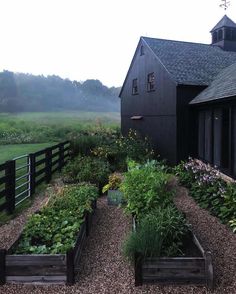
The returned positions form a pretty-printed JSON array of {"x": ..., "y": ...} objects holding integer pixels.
[{"x": 25, "y": 92}]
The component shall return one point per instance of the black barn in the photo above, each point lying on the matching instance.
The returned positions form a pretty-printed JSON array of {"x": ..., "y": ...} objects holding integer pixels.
[{"x": 163, "y": 78}]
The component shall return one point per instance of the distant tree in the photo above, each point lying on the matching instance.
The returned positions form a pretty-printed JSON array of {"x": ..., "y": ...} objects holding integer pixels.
[
  {"x": 27, "y": 92},
  {"x": 8, "y": 92}
]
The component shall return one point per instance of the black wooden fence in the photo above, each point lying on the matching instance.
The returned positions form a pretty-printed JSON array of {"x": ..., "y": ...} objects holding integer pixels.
[{"x": 19, "y": 182}]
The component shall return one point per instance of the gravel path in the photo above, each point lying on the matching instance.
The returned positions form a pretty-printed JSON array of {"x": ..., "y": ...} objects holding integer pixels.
[
  {"x": 10, "y": 231},
  {"x": 215, "y": 237},
  {"x": 103, "y": 269}
]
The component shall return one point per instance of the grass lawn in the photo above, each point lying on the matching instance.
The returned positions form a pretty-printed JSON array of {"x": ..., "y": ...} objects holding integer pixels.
[
  {"x": 26, "y": 132},
  {"x": 8, "y": 152}
]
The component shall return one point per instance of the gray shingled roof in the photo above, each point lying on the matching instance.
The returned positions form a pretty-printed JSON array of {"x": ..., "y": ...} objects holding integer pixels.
[
  {"x": 190, "y": 63},
  {"x": 223, "y": 86},
  {"x": 224, "y": 22}
]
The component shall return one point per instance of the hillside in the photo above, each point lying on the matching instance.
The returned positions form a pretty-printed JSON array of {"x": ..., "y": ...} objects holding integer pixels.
[{"x": 25, "y": 92}]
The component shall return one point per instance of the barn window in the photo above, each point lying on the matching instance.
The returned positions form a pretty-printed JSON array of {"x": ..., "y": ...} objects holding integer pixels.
[
  {"x": 141, "y": 50},
  {"x": 233, "y": 35},
  {"x": 151, "y": 82},
  {"x": 214, "y": 37},
  {"x": 220, "y": 35},
  {"x": 135, "y": 87}
]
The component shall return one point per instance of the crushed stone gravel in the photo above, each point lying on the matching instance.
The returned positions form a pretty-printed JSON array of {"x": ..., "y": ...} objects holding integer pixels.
[{"x": 104, "y": 270}]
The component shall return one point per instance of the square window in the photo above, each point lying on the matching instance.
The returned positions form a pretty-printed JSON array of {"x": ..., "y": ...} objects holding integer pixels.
[
  {"x": 135, "y": 87},
  {"x": 151, "y": 82}
]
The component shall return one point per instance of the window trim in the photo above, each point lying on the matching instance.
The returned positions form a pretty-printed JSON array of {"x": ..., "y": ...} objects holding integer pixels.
[
  {"x": 135, "y": 87},
  {"x": 151, "y": 85}
]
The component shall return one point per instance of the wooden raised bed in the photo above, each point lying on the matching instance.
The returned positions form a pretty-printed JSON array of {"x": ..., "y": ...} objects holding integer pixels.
[
  {"x": 44, "y": 268},
  {"x": 196, "y": 269}
]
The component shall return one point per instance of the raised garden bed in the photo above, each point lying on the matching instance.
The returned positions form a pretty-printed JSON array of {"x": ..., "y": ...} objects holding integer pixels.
[
  {"x": 45, "y": 268},
  {"x": 193, "y": 268}
]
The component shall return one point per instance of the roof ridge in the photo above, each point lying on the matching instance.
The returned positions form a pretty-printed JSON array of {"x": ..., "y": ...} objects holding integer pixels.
[{"x": 169, "y": 40}]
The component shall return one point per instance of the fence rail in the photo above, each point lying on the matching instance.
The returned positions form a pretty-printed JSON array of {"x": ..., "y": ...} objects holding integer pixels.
[{"x": 20, "y": 177}]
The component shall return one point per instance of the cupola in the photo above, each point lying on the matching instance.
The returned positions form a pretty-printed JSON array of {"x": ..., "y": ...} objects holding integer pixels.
[{"x": 224, "y": 34}]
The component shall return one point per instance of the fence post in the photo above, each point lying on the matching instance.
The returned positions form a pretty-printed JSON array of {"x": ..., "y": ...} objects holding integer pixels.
[
  {"x": 48, "y": 166},
  {"x": 70, "y": 267},
  {"x": 138, "y": 269},
  {"x": 32, "y": 173},
  {"x": 10, "y": 173},
  {"x": 61, "y": 156},
  {"x": 2, "y": 266}
]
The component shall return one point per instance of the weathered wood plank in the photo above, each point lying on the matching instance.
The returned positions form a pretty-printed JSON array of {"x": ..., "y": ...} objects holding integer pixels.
[
  {"x": 36, "y": 279},
  {"x": 172, "y": 280},
  {"x": 196, "y": 241},
  {"x": 2, "y": 266},
  {"x": 209, "y": 270},
  {"x": 39, "y": 259},
  {"x": 174, "y": 273},
  {"x": 70, "y": 267},
  {"x": 49, "y": 270},
  {"x": 189, "y": 263}
]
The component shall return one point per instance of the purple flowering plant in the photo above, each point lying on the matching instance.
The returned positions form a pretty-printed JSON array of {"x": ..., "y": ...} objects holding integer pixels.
[{"x": 208, "y": 188}]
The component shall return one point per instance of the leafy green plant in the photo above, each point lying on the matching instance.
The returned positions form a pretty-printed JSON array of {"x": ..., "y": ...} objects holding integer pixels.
[
  {"x": 114, "y": 182},
  {"x": 146, "y": 187},
  {"x": 54, "y": 229},
  {"x": 158, "y": 233},
  {"x": 86, "y": 169},
  {"x": 209, "y": 189},
  {"x": 131, "y": 146}
]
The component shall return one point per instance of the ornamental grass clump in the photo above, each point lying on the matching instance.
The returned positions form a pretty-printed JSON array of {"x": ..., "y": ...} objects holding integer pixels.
[{"x": 159, "y": 233}]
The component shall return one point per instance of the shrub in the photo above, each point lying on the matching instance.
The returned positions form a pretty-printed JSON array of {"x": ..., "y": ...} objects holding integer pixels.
[
  {"x": 146, "y": 187},
  {"x": 84, "y": 142},
  {"x": 114, "y": 182},
  {"x": 159, "y": 233},
  {"x": 131, "y": 147},
  {"x": 86, "y": 169},
  {"x": 54, "y": 229}
]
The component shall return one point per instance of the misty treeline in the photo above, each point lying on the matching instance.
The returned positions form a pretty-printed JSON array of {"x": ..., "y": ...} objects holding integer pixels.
[{"x": 25, "y": 92}]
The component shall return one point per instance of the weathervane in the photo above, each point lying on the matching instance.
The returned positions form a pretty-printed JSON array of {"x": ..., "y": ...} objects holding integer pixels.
[{"x": 225, "y": 4}]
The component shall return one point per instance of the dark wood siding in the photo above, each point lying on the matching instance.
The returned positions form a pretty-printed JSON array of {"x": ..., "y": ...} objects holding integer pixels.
[
  {"x": 217, "y": 134},
  {"x": 201, "y": 134},
  {"x": 186, "y": 121},
  {"x": 158, "y": 108},
  {"x": 217, "y": 121},
  {"x": 208, "y": 136}
]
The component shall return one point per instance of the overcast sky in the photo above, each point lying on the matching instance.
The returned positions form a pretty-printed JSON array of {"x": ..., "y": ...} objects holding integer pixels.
[{"x": 96, "y": 39}]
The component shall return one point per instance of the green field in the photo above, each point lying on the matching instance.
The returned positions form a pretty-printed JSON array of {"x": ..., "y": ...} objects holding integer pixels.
[
  {"x": 8, "y": 152},
  {"x": 70, "y": 118},
  {"x": 28, "y": 132}
]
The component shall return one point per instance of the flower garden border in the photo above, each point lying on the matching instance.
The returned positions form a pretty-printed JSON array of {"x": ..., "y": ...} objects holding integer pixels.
[{"x": 45, "y": 268}]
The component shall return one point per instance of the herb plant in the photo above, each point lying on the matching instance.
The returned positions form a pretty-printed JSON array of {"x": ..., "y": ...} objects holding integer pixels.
[
  {"x": 145, "y": 187},
  {"x": 158, "y": 233}
]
